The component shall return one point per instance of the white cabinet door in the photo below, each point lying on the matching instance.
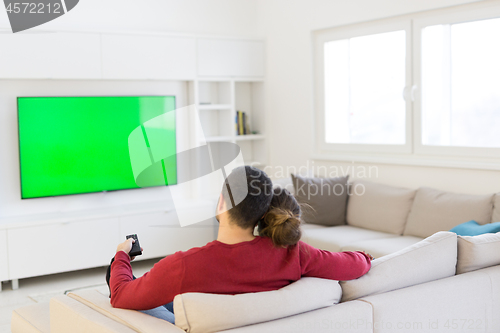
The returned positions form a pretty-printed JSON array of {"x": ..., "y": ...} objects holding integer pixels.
[
  {"x": 160, "y": 233},
  {"x": 148, "y": 57},
  {"x": 48, "y": 249},
  {"x": 50, "y": 56},
  {"x": 4, "y": 267},
  {"x": 221, "y": 57}
]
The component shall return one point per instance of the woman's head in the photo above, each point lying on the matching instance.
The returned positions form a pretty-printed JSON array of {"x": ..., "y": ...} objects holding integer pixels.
[{"x": 282, "y": 221}]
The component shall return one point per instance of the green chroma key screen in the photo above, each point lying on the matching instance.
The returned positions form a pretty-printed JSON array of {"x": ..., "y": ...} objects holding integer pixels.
[{"x": 71, "y": 145}]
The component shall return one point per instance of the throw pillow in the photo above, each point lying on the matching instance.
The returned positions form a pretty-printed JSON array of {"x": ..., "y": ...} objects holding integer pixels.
[
  {"x": 472, "y": 228},
  {"x": 327, "y": 198},
  {"x": 476, "y": 252},
  {"x": 199, "y": 312},
  {"x": 430, "y": 259}
]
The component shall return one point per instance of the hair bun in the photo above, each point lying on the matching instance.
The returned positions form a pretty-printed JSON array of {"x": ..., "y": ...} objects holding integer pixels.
[{"x": 282, "y": 226}]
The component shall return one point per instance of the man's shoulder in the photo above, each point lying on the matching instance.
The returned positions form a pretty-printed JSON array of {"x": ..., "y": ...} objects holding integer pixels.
[{"x": 195, "y": 251}]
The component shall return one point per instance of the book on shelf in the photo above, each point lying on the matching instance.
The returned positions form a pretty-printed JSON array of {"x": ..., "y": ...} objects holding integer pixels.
[{"x": 242, "y": 124}]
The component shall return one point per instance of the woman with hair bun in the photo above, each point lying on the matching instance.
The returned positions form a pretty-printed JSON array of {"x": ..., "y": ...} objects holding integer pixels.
[{"x": 282, "y": 222}]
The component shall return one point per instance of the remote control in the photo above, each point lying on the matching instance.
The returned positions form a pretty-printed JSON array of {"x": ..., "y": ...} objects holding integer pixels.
[{"x": 136, "y": 247}]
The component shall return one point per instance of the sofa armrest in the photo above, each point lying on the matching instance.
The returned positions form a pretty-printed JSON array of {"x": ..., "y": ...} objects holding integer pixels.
[
  {"x": 69, "y": 315},
  {"x": 94, "y": 311}
]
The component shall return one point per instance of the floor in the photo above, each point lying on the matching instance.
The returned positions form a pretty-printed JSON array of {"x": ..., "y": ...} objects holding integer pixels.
[{"x": 41, "y": 289}]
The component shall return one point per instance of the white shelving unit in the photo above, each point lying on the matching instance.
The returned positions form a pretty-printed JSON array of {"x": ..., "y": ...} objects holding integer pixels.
[{"x": 217, "y": 101}]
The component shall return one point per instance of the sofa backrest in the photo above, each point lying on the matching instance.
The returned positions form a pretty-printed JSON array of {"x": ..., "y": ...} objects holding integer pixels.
[
  {"x": 434, "y": 210},
  {"x": 495, "y": 216},
  {"x": 206, "y": 313},
  {"x": 430, "y": 259},
  {"x": 379, "y": 207}
]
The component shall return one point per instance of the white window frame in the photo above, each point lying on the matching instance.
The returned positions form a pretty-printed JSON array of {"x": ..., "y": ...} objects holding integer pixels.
[
  {"x": 419, "y": 24},
  {"x": 413, "y": 152},
  {"x": 320, "y": 39}
]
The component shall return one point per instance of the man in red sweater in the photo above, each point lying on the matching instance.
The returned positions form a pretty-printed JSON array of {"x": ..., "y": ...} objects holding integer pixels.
[{"x": 237, "y": 262}]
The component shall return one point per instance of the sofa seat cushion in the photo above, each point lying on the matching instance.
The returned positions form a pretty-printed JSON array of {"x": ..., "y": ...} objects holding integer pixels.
[
  {"x": 334, "y": 238},
  {"x": 310, "y": 226},
  {"x": 379, "y": 207},
  {"x": 435, "y": 210},
  {"x": 460, "y": 303},
  {"x": 201, "y": 312},
  {"x": 34, "y": 318},
  {"x": 381, "y": 247},
  {"x": 430, "y": 259}
]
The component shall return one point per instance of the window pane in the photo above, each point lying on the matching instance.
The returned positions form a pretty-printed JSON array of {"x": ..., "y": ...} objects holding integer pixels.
[
  {"x": 364, "y": 82},
  {"x": 460, "y": 84}
]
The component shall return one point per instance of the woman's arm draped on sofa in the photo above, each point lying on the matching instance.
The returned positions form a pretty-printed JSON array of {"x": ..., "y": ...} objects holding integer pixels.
[
  {"x": 155, "y": 288},
  {"x": 332, "y": 265}
]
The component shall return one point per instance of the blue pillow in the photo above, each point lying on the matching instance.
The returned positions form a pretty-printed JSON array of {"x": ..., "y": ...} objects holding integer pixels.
[{"x": 472, "y": 228}]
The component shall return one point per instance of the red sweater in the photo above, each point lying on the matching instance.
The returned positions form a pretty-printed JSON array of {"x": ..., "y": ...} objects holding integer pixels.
[{"x": 229, "y": 269}]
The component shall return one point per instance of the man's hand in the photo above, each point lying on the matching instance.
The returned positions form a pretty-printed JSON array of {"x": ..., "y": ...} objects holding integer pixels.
[
  {"x": 126, "y": 246},
  {"x": 369, "y": 255}
]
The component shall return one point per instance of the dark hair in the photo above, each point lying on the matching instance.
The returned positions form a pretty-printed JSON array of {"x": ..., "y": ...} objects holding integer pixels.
[
  {"x": 248, "y": 191},
  {"x": 282, "y": 221}
]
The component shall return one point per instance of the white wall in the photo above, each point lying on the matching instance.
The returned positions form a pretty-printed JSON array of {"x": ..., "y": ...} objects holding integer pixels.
[
  {"x": 288, "y": 26},
  {"x": 224, "y": 17}
]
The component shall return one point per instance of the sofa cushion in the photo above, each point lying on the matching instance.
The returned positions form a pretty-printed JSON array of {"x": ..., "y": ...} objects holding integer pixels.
[
  {"x": 379, "y": 207},
  {"x": 435, "y": 210},
  {"x": 327, "y": 198},
  {"x": 381, "y": 247},
  {"x": 472, "y": 228},
  {"x": 430, "y": 259},
  {"x": 350, "y": 317},
  {"x": 334, "y": 238},
  {"x": 199, "y": 312},
  {"x": 475, "y": 252},
  {"x": 34, "y": 318}
]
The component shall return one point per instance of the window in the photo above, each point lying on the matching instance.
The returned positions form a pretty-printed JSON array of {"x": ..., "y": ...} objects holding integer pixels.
[
  {"x": 460, "y": 84},
  {"x": 410, "y": 88},
  {"x": 364, "y": 81}
]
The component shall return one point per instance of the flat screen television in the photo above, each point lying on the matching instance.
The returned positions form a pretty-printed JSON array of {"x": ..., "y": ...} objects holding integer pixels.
[{"x": 74, "y": 145}]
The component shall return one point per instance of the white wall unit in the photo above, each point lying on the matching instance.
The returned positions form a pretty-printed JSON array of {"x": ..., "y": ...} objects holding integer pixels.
[
  {"x": 160, "y": 233},
  {"x": 148, "y": 57},
  {"x": 50, "y": 56},
  {"x": 4, "y": 263},
  {"x": 60, "y": 242},
  {"x": 227, "y": 57},
  {"x": 74, "y": 55},
  {"x": 218, "y": 101},
  {"x": 54, "y": 248}
]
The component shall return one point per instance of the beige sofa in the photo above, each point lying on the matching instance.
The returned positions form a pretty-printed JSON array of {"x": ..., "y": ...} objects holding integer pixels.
[{"x": 413, "y": 286}]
